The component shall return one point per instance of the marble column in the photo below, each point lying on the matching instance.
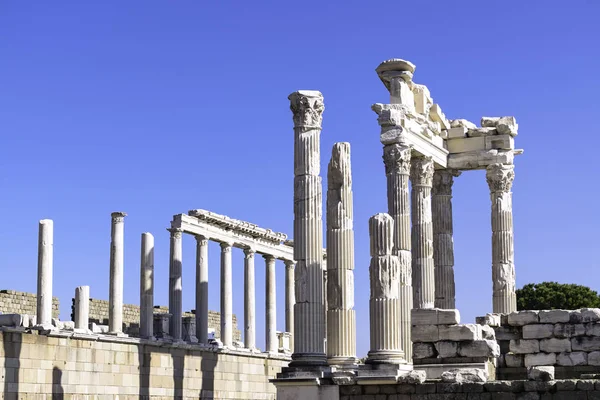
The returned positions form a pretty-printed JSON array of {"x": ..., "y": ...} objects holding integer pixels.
[
  {"x": 82, "y": 307},
  {"x": 500, "y": 178},
  {"x": 421, "y": 177},
  {"x": 115, "y": 295},
  {"x": 443, "y": 242},
  {"x": 384, "y": 303},
  {"x": 270, "y": 305},
  {"x": 341, "y": 317},
  {"x": 226, "y": 295},
  {"x": 309, "y": 310},
  {"x": 290, "y": 300},
  {"x": 45, "y": 266},
  {"x": 202, "y": 289},
  {"x": 175, "y": 284},
  {"x": 147, "y": 286},
  {"x": 396, "y": 158},
  {"x": 249, "y": 299}
]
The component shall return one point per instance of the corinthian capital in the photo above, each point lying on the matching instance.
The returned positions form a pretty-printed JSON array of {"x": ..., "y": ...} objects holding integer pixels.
[
  {"x": 421, "y": 171},
  {"x": 175, "y": 232},
  {"x": 443, "y": 179},
  {"x": 396, "y": 158},
  {"x": 500, "y": 177},
  {"x": 307, "y": 106},
  {"x": 118, "y": 216}
]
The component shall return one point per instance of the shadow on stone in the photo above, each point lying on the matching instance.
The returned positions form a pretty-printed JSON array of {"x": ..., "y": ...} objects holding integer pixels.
[
  {"x": 145, "y": 359},
  {"x": 12, "y": 342},
  {"x": 208, "y": 366},
  {"x": 178, "y": 357},
  {"x": 58, "y": 393}
]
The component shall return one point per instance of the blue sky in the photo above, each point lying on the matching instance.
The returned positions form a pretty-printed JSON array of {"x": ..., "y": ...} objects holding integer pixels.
[{"x": 155, "y": 108}]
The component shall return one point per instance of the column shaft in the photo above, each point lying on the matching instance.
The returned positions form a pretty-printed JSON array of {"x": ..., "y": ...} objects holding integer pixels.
[
  {"x": 82, "y": 307},
  {"x": 309, "y": 310},
  {"x": 175, "y": 284},
  {"x": 443, "y": 242},
  {"x": 115, "y": 297},
  {"x": 45, "y": 265},
  {"x": 226, "y": 296},
  {"x": 270, "y": 306},
  {"x": 249, "y": 300},
  {"x": 202, "y": 289},
  {"x": 421, "y": 176},
  {"x": 147, "y": 286},
  {"x": 500, "y": 178},
  {"x": 290, "y": 300}
]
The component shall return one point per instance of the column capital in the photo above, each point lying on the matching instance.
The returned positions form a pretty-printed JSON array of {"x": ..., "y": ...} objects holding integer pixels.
[
  {"x": 118, "y": 216},
  {"x": 421, "y": 171},
  {"x": 396, "y": 158},
  {"x": 443, "y": 179},
  {"x": 289, "y": 264},
  {"x": 201, "y": 240},
  {"x": 175, "y": 232},
  {"x": 226, "y": 247},
  {"x": 308, "y": 107},
  {"x": 249, "y": 252},
  {"x": 269, "y": 257},
  {"x": 500, "y": 177}
]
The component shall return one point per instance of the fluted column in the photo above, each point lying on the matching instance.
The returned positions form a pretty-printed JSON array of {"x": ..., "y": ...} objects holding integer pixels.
[
  {"x": 44, "y": 278},
  {"x": 226, "y": 295},
  {"x": 421, "y": 177},
  {"x": 175, "y": 284},
  {"x": 384, "y": 303},
  {"x": 500, "y": 178},
  {"x": 270, "y": 305},
  {"x": 341, "y": 317},
  {"x": 202, "y": 289},
  {"x": 115, "y": 295},
  {"x": 82, "y": 307},
  {"x": 396, "y": 158},
  {"x": 290, "y": 299},
  {"x": 309, "y": 310},
  {"x": 249, "y": 300},
  {"x": 147, "y": 286},
  {"x": 443, "y": 242}
]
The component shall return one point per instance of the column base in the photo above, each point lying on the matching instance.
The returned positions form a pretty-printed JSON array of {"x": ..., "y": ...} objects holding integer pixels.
[
  {"x": 342, "y": 362},
  {"x": 394, "y": 357},
  {"x": 45, "y": 327},
  {"x": 117, "y": 334},
  {"x": 308, "y": 360}
]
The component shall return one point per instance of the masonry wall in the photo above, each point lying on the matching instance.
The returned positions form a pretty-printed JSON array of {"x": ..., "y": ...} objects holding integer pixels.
[
  {"x": 36, "y": 366},
  {"x": 13, "y": 302}
]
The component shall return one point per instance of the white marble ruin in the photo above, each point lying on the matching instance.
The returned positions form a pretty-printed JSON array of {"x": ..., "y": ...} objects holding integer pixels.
[
  {"x": 81, "y": 312},
  {"x": 147, "y": 286},
  {"x": 115, "y": 295},
  {"x": 44, "y": 283}
]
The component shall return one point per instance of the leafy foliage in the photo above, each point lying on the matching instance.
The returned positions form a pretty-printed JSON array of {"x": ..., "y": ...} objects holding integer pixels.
[{"x": 554, "y": 295}]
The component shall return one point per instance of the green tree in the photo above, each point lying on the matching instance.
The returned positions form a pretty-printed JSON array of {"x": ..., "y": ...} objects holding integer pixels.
[{"x": 554, "y": 295}]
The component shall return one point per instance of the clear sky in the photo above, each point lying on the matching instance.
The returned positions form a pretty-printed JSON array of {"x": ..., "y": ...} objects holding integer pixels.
[{"x": 155, "y": 108}]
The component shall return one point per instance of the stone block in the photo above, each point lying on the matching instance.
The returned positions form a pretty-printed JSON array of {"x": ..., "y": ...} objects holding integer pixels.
[
  {"x": 521, "y": 318},
  {"x": 513, "y": 360},
  {"x": 487, "y": 332},
  {"x": 507, "y": 126},
  {"x": 462, "y": 122},
  {"x": 592, "y": 329},
  {"x": 508, "y": 333},
  {"x": 532, "y": 360},
  {"x": 489, "y": 122},
  {"x": 465, "y": 375},
  {"x": 554, "y": 316},
  {"x": 571, "y": 359},
  {"x": 585, "y": 343},
  {"x": 554, "y": 345},
  {"x": 437, "y": 115},
  {"x": 448, "y": 317},
  {"x": 423, "y": 350},
  {"x": 424, "y": 316},
  {"x": 422, "y": 98},
  {"x": 538, "y": 331},
  {"x": 500, "y": 142},
  {"x": 522, "y": 346},
  {"x": 540, "y": 373},
  {"x": 464, "y": 145},
  {"x": 425, "y": 333},
  {"x": 458, "y": 132},
  {"x": 569, "y": 330},
  {"x": 480, "y": 159},
  {"x": 590, "y": 314},
  {"x": 479, "y": 348},
  {"x": 447, "y": 349},
  {"x": 480, "y": 132},
  {"x": 460, "y": 332}
]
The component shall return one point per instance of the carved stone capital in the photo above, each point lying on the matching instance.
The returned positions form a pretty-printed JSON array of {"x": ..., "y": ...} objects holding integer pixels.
[
  {"x": 396, "y": 159},
  {"x": 118, "y": 216},
  {"x": 308, "y": 107},
  {"x": 226, "y": 247},
  {"x": 269, "y": 258},
  {"x": 249, "y": 252},
  {"x": 500, "y": 177},
  {"x": 290, "y": 264},
  {"x": 443, "y": 179},
  {"x": 201, "y": 240},
  {"x": 421, "y": 171},
  {"x": 175, "y": 232}
]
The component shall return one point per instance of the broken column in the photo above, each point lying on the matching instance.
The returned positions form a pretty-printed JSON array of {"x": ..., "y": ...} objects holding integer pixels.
[
  {"x": 309, "y": 310},
  {"x": 115, "y": 295},
  {"x": 147, "y": 286},
  {"x": 175, "y": 284},
  {"x": 500, "y": 178},
  {"x": 290, "y": 300},
  {"x": 202, "y": 289},
  {"x": 226, "y": 295},
  {"x": 421, "y": 177},
  {"x": 270, "y": 305},
  {"x": 82, "y": 307},
  {"x": 44, "y": 282},
  {"x": 443, "y": 242},
  {"x": 384, "y": 303},
  {"x": 341, "y": 317}
]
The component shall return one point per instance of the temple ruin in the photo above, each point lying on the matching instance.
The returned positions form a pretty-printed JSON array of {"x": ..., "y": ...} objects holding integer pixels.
[{"x": 419, "y": 349}]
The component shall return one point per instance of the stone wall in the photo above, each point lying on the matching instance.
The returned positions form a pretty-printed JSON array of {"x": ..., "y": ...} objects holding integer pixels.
[
  {"x": 13, "y": 302},
  {"x": 102, "y": 367},
  {"x": 131, "y": 317}
]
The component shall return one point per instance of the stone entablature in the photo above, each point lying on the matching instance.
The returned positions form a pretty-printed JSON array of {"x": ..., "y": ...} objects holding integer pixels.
[{"x": 14, "y": 302}]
